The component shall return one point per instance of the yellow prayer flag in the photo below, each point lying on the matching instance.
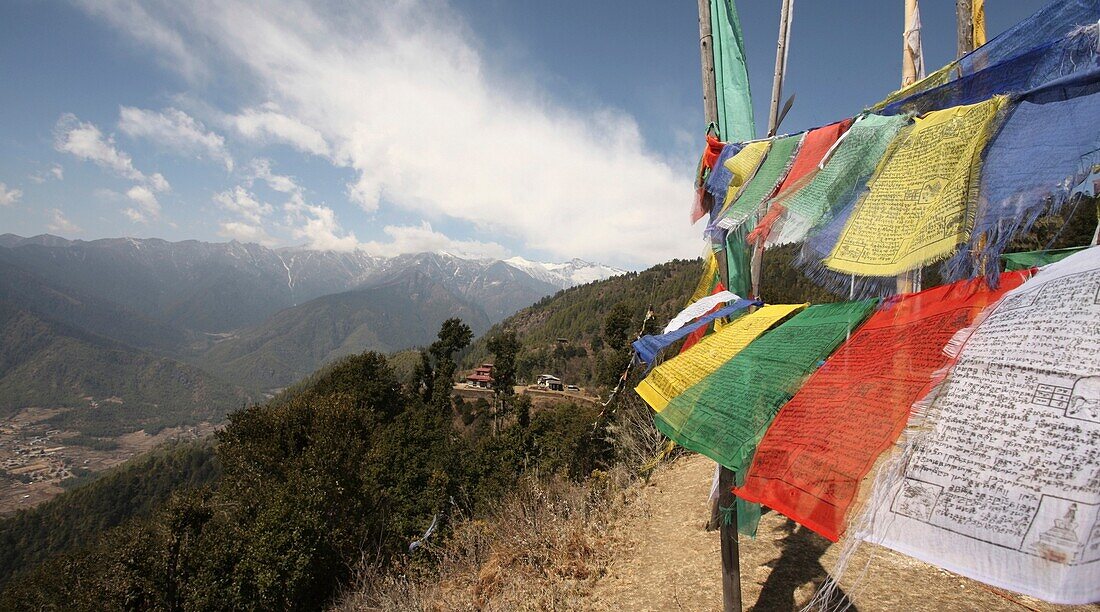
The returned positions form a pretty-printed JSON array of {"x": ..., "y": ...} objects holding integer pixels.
[
  {"x": 743, "y": 166},
  {"x": 707, "y": 280},
  {"x": 920, "y": 202},
  {"x": 672, "y": 377},
  {"x": 977, "y": 13}
]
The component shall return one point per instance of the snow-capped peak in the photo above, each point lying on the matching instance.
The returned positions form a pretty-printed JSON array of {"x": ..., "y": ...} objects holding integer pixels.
[{"x": 564, "y": 275}]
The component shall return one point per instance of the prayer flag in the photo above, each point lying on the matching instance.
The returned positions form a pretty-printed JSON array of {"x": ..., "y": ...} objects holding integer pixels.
[
  {"x": 699, "y": 307},
  {"x": 648, "y": 347},
  {"x": 726, "y": 412},
  {"x": 843, "y": 177},
  {"x": 920, "y": 203},
  {"x": 1041, "y": 152},
  {"x": 823, "y": 442},
  {"x": 811, "y": 153},
  {"x": 672, "y": 377},
  {"x": 999, "y": 480},
  {"x": 731, "y": 76},
  {"x": 771, "y": 173}
]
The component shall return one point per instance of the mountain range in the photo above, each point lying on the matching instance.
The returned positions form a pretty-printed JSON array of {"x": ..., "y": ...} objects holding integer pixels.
[{"x": 231, "y": 320}]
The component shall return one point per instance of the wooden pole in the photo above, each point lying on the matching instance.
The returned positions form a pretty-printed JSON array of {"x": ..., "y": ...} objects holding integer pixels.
[
  {"x": 964, "y": 19},
  {"x": 731, "y": 561},
  {"x": 731, "y": 566},
  {"x": 756, "y": 263},
  {"x": 710, "y": 96},
  {"x": 780, "y": 65},
  {"x": 706, "y": 51},
  {"x": 908, "y": 57}
]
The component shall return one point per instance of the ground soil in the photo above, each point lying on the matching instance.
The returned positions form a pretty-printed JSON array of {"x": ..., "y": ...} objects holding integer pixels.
[{"x": 663, "y": 559}]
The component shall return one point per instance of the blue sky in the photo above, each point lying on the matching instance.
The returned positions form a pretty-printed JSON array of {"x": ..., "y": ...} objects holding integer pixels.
[{"x": 549, "y": 130}]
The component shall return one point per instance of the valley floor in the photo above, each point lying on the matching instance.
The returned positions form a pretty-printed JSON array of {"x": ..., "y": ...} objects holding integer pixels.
[
  {"x": 35, "y": 457},
  {"x": 663, "y": 559}
]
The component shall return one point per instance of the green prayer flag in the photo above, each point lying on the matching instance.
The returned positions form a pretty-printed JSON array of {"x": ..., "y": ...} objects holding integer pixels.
[
  {"x": 763, "y": 184},
  {"x": 731, "y": 76},
  {"x": 1033, "y": 259},
  {"x": 738, "y": 256},
  {"x": 725, "y": 415}
]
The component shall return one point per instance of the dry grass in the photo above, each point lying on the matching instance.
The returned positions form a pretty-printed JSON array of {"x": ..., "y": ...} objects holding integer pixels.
[{"x": 543, "y": 548}]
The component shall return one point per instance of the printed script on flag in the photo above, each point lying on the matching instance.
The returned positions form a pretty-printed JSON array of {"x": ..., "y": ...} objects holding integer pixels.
[
  {"x": 919, "y": 206},
  {"x": 1001, "y": 481},
  {"x": 672, "y": 377},
  {"x": 823, "y": 442}
]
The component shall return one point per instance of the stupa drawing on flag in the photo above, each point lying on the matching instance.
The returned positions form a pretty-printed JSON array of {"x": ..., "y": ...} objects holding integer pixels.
[{"x": 1060, "y": 543}]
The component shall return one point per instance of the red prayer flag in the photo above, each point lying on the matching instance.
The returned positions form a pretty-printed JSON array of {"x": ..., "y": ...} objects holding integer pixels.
[
  {"x": 703, "y": 201},
  {"x": 824, "y": 441},
  {"x": 813, "y": 149}
]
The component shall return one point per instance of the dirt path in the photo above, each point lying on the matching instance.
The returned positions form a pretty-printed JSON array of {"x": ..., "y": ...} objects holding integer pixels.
[{"x": 665, "y": 560}]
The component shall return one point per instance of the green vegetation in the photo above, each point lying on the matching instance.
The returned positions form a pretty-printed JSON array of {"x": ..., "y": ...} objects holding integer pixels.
[
  {"x": 45, "y": 363},
  {"x": 78, "y": 516},
  {"x": 353, "y": 465},
  {"x": 564, "y": 334}
]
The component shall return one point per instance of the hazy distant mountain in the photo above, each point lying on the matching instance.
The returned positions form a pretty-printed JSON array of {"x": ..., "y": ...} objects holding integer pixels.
[
  {"x": 219, "y": 287},
  {"x": 255, "y": 316},
  {"x": 99, "y": 316},
  {"x": 402, "y": 312},
  {"x": 49, "y": 364}
]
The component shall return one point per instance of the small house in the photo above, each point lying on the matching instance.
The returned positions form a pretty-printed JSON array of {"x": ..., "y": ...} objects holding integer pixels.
[
  {"x": 482, "y": 377},
  {"x": 549, "y": 381}
]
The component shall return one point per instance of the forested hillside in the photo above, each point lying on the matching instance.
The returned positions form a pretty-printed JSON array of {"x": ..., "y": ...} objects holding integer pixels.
[
  {"x": 81, "y": 515},
  {"x": 351, "y": 464},
  {"x": 45, "y": 363}
]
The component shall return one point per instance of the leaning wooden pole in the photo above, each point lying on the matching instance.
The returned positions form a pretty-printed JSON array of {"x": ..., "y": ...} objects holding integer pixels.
[
  {"x": 780, "y": 65},
  {"x": 731, "y": 566},
  {"x": 756, "y": 262}
]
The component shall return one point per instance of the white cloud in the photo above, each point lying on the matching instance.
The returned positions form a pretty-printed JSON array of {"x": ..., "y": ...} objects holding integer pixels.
[
  {"x": 242, "y": 203},
  {"x": 267, "y": 124},
  {"x": 317, "y": 226},
  {"x": 414, "y": 110},
  {"x": 59, "y": 224},
  {"x": 176, "y": 130},
  {"x": 422, "y": 238},
  {"x": 87, "y": 142},
  {"x": 9, "y": 196},
  {"x": 245, "y": 232},
  {"x": 148, "y": 207},
  {"x": 146, "y": 29},
  {"x": 261, "y": 169},
  {"x": 56, "y": 172}
]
